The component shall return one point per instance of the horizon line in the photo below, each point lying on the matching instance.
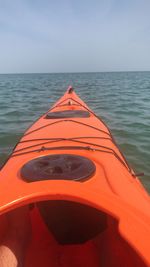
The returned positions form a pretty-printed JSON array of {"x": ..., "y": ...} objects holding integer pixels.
[{"x": 75, "y": 72}]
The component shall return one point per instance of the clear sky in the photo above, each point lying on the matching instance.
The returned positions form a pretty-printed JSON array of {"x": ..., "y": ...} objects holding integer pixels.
[{"x": 74, "y": 35}]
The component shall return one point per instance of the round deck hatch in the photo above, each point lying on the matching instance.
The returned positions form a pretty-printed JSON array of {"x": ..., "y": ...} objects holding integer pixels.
[{"x": 58, "y": 167}]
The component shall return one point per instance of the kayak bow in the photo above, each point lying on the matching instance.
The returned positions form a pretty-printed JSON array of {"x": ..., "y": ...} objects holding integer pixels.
[{"x": 97, "y": 212}]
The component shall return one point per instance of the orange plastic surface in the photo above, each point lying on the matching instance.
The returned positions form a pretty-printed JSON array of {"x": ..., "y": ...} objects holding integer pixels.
[{"x": 113, "y": 188}]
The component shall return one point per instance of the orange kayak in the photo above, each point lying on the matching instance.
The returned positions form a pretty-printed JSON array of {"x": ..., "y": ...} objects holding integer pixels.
[{"x": 86, "y": 205}]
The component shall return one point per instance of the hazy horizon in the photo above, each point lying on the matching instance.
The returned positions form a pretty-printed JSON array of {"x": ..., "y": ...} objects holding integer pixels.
[
  {"x": 74, "y": 36},
  {"x": 75, "y": 72}
]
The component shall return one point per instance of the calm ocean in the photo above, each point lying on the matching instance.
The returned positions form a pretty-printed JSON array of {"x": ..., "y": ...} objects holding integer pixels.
[{"x": 122, "y": 99}]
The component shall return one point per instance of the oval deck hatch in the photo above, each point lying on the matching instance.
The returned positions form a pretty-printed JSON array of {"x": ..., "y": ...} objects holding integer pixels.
[{"x": 67, "y": 114}]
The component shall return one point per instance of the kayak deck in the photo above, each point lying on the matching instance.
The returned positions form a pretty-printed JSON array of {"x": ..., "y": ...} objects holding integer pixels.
[{"x": 98, "y": 212}]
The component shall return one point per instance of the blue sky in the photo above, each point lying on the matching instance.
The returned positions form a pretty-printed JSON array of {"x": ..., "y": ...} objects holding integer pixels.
[{"x": 74, "y": 35}]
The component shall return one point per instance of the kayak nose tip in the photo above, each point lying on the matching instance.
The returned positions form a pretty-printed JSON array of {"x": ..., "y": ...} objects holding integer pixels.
[{"x": 70, "y": 89}]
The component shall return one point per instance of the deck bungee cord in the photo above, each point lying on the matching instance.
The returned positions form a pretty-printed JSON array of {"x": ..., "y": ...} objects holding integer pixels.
[{"x": 73, "y": 139}]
